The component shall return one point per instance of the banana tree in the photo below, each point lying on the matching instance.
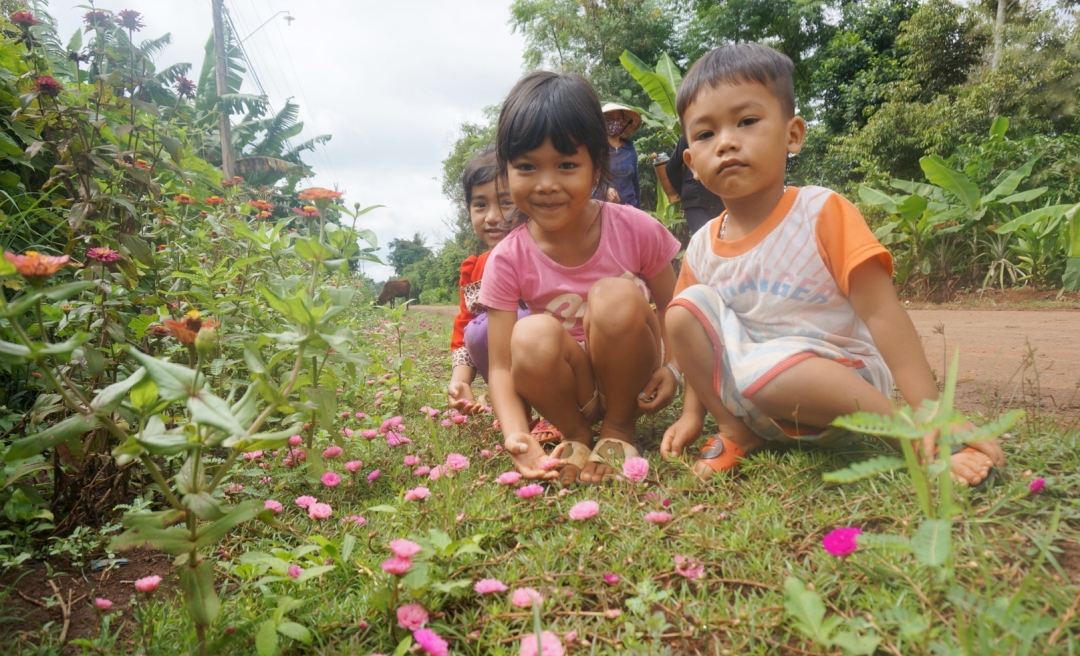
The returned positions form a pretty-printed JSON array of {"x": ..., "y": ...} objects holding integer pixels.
[{"x": 662, "y": 83}]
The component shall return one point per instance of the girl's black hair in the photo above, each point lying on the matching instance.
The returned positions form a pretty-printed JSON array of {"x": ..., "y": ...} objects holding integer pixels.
[
  {"x": 481, "y": 169},
  {"x": 561, "y": 107}
]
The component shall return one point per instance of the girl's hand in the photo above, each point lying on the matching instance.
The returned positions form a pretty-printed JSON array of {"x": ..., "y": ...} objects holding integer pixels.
[
  {"x": 528, "y": 456},
  {"x": 659, "y": 391},
  {"x": 684, "y": 432},
  {"x": 460, "y": 395}
]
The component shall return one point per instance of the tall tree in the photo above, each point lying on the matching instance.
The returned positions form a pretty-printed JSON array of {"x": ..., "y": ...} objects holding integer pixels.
[{"x": 404, "y": 252}]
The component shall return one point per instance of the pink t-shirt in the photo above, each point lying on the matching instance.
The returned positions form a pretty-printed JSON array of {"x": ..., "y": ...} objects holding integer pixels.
[{"x": 632, "y": 245}]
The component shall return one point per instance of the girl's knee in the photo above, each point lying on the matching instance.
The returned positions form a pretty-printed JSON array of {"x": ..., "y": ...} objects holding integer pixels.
[
  {"x": 615, "y": 300},
  {"x": 537, "y": 336}
]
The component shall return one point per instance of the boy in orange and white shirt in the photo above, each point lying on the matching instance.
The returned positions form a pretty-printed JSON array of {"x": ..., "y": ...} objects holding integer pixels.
[{"x": 785, "y": 316}]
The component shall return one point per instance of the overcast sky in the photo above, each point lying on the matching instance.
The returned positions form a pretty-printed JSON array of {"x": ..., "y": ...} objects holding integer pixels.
[{"x": 391, "y": 80}]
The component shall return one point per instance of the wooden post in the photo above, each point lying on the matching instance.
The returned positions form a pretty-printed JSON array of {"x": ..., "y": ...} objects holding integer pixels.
[{"x": 221, "y": 69}]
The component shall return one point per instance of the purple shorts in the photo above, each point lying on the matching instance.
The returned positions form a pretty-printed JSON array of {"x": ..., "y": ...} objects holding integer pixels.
[{"x": 476, "y": 341}]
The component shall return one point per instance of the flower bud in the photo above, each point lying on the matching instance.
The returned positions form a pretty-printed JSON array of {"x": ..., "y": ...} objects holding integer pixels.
[{"x": 206, "y": 340}]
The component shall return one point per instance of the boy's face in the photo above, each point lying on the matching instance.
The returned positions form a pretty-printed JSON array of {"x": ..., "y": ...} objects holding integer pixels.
[
  {"x": 489, "y": 210},
  {"x": 739, "y": 139}
]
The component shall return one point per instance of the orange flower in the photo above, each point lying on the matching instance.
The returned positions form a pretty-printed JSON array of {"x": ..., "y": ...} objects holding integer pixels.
[
  {"x": 186, "y": 330},
  {"x": 35, "y": 267},
  {"x": 308, "y": 212},
  {"x": 261, "y": 205},
  {"x": 318, "y": 194},
  {"x": 142, "y": 164},
  {"x": 214, "y": 200},
  {"x": 184, "y": 199},
  {"x": 264, "y": 215}
]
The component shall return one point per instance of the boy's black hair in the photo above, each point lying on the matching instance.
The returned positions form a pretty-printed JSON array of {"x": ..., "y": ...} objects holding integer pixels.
[
  {"x": 480, "y": 170},
  {"x": 561, "y": 107},
  {"x": 737, "y": 63}
]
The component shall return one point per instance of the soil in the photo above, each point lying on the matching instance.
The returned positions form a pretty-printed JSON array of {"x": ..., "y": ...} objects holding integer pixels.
[{"x": 33, "y": 602}]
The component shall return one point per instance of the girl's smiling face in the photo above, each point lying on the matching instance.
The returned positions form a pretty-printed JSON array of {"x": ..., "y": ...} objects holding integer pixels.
[
  {"x": 553, "y": 188},
  {"x": 489, "y": 211}
]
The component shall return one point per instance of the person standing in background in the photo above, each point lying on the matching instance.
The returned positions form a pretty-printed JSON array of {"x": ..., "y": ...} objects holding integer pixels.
[
  {"x": 699, "y": 205},
  {"x": 624, "y": 186}
]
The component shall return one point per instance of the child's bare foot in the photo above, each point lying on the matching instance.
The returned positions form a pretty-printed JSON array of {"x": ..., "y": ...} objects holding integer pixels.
[
  {"x": 970, "y": 465},
  {"x": 528, "y": 456}
]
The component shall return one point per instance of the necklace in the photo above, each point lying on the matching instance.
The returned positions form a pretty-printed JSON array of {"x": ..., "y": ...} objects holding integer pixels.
[{"x": 723, "y": 221}]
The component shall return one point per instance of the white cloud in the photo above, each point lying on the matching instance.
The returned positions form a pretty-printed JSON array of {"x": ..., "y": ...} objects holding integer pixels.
[{"x": 391, "y": 81}]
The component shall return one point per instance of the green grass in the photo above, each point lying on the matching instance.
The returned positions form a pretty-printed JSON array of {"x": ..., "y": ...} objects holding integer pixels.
[{"x": 1010, "y": 589}]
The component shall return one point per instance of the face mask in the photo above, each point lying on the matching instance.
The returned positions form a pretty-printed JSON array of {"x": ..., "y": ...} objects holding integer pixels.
[{"x": 615, "y": 126}]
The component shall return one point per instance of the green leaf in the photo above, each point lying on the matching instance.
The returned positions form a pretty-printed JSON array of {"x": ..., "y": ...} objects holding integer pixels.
[
  {"x": 174, "y": 382},
  {"x": 205, "y": 507},
  {"x": 667, "y": 69},
  {"x": 448, "y": 587},
  {"x": 7, "y": 268},
  {"x": 14, "y": 354},
  {"x": 939, "y": 173},
  {"x": 1023, "y": 196},
  {"x": 266, "y": 641},
  {"x": 864, "y": 469},
  {"x": 213, "y": 533},
  {"x": 806, "y": 608},
  {"x": 63, "y": 349},
  {"x": 1012, "y": 180},
  {"x": 144, "y": 394},
  {"x": 991, "y": 429},
  {"x": 67, "y": 290},
  {"x": 878, "y": 199},
  {"x": 999, "y": 127},
  {"x": 1070, "y": 280},
  {"x": 1033, "y": 217},
  {"x": 174, "y": 540},
  {"x": 312, "y": 251},
  {"x": 440, "y": 540},
  {"x": 403, "y": 647},
  {"x": 884, "y": 540},
  {"x": 314, "y": 572},
  {"x": 209, "y": 410},
  {"x": 932, "y": 542},
  {"x": 200, "y": 599},
  {"x": 295, "y": 631},
  {"x": 110, "y": 398},
  {"x": 347, "y": 546},
  {"x": 655, "y": 85},
  {"x": 855, "y": 644},
  {"x": 869, "y": 423},
  {"x": 30, "y": 445},
  {"x": 383, "y": 508}
]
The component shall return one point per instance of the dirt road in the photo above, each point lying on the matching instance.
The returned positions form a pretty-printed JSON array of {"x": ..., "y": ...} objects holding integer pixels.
[{"x": 996, "y": 369}]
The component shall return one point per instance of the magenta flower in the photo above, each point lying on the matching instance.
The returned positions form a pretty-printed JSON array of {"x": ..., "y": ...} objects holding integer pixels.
[
  {"x": 841, "y": 541},
  {"x": 530, "y": 490},
  {"x": 102, "y": 603},
  {"x": 412, "y": 617},
  {"x": 347, "y": 432},
  {"x": 459, "y": 419},
  {"x": 658, "y": 517},
  {"x": 446, "y": 423},
  {"x": 355, "y": 519},
  {"x": 524, "y": 597},
  {"x": 148, "y": 584},
  {"x": 422, "y": 470},
  {"x": 330, "y": 479},
  {"x": 404, "y": 548},
  {"x": 584, "y": 510},
  {"x": 489, "y": 586},
  {"x": 612, "y": 579},
  {"x": 306, "y": 501},
  {"x": 354, "y": 465},
  {"x": 1037, "y": 485},
  {"x": 369, "y": 434},
  {"x": 320, "y": 511},
  {"x": 457, "y": 462},
  {"x": 548, "y": 645},
  {"x": 508, "y": 478},
  {"x": 485, "y": 453},
  {"x": 417, "y": 493},
  {"x": 103, "y": 254},
  {"x": 691, "y": 568},
  {"x": 295, "y": 571},
  {"x": 276, "y": 506},
  {"x": 430, "y": 642},
  {"x": 295, "y": 440},
  {"x": 346, "y": 414},
  {"x": 396, "y": 566},
  {"x": 332, "y": 452},
  {"x": 253, "y": 455},
  {"x": 411, "y": 461},
  {"x": 635, "y": 469},
  {"x": 373, "y": 475}
]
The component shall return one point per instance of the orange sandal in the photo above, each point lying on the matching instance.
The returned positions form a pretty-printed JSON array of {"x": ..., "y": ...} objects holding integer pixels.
[{"x": 721, "y": 453}]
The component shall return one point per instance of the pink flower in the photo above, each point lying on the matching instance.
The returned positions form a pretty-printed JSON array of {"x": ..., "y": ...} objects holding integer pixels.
[
  {"x": 438, "y": 472},
  {"x": 612, "y": 579},
  {"x": 295, "y": 571},
  {"x": 488, "y": 586},
  {"x": 347, "y": 432},
  {"x": 295, "y": 440},
  {"x": 658, "y": 517},
  {"x": 1037, "y": 485},
  {"x": 369, "y": 434},
  {"x": 330, "y": 479},
  {"x": 253, "y": 455},
  {"x": 485, "y": 453},
  {"x": 346, "y": 414},
  {"x": 412, "y": 617},
  {"x": 276, "y": 506},
  {"x": 355, "y": 519},
  {"x": 354, "y": 465},
  {"x": 498, "y": 447},
  {"x": 396, "y": 566},
  {"x": 404, "y": 548},
  {"x": 373, "y": 475},
  {"x": 359, "y": 415},
  {"x": 305, "y": 501},
  {"x": 550, "y": 463},
  {"x": 584, "y": 510},
  {"x": 530, "y": 491},
  {"x": 457, "y": 462},
  {"x": 508, "y": 478},
  {"x": 459, "y": 419},
  {"x": 393, "y": 438},
  {"x": 430, "y": 642},
  {"x": 548, "y": 645},
  {"x": 102, "y": 603},
  {"x": 524, "y": 597},
  {"x": 841, "y": 541},
  {"x": 411, "y": 461},
  {"x": 691, "y": 568},
  {"x": 233, "y": 488},
  {"x": 635, "y": 469},
  {"x": 422, "y": 470},
  {"x": 320, "y": 511},
  {"x": 332, "y": 452},
  {"x": 148, "y": 584},
  {"x": 612, "y": 613},
  {"x": 446, "y": 423},
  {"x": 417, "y": 493}
]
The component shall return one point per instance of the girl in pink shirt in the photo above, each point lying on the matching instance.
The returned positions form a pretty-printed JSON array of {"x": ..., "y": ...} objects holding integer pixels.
[{"x": 593, "y": 349}]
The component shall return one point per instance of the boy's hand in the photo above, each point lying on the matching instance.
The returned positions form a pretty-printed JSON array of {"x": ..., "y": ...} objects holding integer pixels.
[
  {"x": 685, "y": 431},
  {"x": 659, "y": 391},
  {"x": 528, "y": 456},
  {"x": 460, "y": 395}
]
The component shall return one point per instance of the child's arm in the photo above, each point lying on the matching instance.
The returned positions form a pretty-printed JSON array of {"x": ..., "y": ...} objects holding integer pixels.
[
  {"x": 459, "y": 391},
  {"x": 874, "y": 299},
  {"x": 660, "y": 390},
  {"x": 524, "y": 449}
]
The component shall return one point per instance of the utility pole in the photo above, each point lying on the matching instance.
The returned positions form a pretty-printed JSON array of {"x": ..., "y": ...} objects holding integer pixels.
[{"x": 221, "y": 68}]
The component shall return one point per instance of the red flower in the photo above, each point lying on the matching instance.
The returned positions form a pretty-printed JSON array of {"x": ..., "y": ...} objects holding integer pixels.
[
  {"x": 308, "y": 212},
  {"x": 47, "y": 86},
  {"x": 185, "y": 88},
  {"x": 103, "y": 254},
  {"x": 214, "y": 200},
  {"x": 35, "y": 267},
  {"x": 129, "y": 19},
  {"x": 184, "y": 199},
  {"x": 261, "y": 205},
  {"x": 159, "y": 330},
  {"x": 96, "y": 18},
  {"x": 24, "y": 19},
  {"x": 187, "y": 329},
  {"x": 142, "y": 164}
]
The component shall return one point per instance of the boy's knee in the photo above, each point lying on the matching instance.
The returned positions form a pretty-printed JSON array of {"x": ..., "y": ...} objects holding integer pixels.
[{"x": 678, "y": 320}]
